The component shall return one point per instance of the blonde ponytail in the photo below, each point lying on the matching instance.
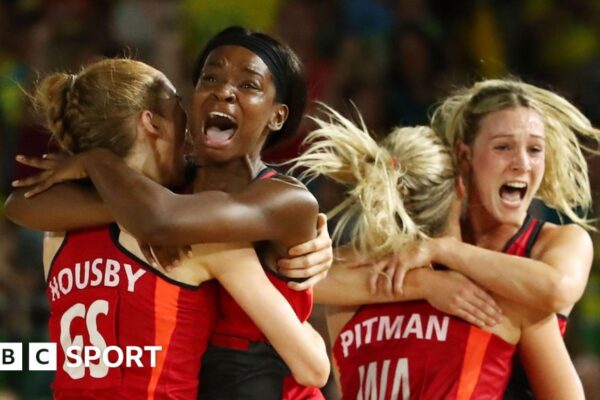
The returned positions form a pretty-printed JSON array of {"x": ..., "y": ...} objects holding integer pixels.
[{"x": 383, "y": 180}]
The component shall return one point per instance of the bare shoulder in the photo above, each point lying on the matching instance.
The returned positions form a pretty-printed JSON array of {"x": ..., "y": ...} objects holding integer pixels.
[
  {"x": 553, "y": 236},
  {"x": 288, "y": 206},
  {"x": 285, "y": 193}
]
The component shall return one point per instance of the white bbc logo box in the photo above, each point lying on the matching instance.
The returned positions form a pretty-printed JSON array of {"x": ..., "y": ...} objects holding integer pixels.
[
  {"x": 11, "y": 356},
  {"x": 42, "y": 357}
]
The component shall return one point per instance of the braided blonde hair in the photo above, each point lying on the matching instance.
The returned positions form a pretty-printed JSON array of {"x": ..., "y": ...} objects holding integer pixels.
[
  {"x": 565, "y": 184},
  {"x": 398, "y": 191},
  {"x": 95, "y": 107}
]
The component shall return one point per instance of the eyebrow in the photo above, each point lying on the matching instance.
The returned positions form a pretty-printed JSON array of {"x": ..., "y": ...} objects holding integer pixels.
[
  {"x": 253, "y": 71},
  {"x": 506, "y": 135}
]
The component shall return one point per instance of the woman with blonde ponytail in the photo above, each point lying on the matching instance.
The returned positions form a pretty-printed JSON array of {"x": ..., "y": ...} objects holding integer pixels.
[{"x": 402, "y": 193}]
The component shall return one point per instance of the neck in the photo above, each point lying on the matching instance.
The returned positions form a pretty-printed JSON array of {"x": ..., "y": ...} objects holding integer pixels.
[
  {"x": 483, "y": 230},
  {"x": 139, "y": 160},
  {"x": 231, "y": 176}
]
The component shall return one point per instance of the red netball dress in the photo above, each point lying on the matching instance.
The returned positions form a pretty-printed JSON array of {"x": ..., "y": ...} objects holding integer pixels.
[
  {"x": 410, "y": 350},
  {"x": 240, "y": 362},
  {"x": 104, "y": 298}
]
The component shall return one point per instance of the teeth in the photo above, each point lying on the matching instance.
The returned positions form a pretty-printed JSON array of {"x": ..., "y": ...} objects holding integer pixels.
[
  {"x": 516, "y": 185},
  {"x": 220, "y": 114}
]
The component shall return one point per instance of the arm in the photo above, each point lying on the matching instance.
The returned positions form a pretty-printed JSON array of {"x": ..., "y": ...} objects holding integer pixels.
[
  {"x": 247, "y": 283},
  {"x": 547, "y": 362},
  {"x": 561, "y": 268},
  {"x": 266, "y": 210},
  {"x": 63, "y": 207},
  {"x": 273, "y": 210},
  {"x": 447, "y": 291}
]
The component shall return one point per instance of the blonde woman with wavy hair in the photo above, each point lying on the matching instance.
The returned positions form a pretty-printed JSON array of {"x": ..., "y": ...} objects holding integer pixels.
[
  {"x": 401, "y": 193},
  {"x": 514, "y": 142}
]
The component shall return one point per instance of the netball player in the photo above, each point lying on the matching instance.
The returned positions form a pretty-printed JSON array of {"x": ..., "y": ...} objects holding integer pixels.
[{"x": 401, "y": 193}]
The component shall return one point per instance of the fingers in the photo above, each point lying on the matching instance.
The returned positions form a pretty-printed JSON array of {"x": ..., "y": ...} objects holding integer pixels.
[
  {"x": 307, "y": 284},
  {"x": 398, "y": 274},
  {"x": 32, "y": 180},
  {"x": 36, "y": 162},
  {"x": 384, "y": 281},
  {"x": 321, "y": 223},
  {"x": 54, "y": 156},
  {"x": 488, "y": 305},
  {"x": 478, "y": 311},
  {"x": 398, "y": 280},
  {"x": 471, "y": 318},
  {"x": 476, "y": 316},
  {"x": 148, "y": 253},
  {"x": 168, "y": 257},
  {"x": 321, "y": 242},
  {"x": 305, "y": 261},
  {"x": 305, "y": 272},
  {"x": 187, "y": 250}
]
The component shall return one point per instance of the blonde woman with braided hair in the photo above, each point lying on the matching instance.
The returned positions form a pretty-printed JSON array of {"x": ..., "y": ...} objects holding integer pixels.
[{"x": 401, "y": 193}]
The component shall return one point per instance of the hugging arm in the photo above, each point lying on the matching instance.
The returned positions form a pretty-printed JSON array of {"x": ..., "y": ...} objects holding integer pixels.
[
  {"x": 63, "y": 207},
  {"x": 298, "y": 344},
  {"x": 264, "y": 211},
  {"x": 278, "y": 211},
  {"x": 561, "y": 269},
  {"x": 447, "y": 291}
]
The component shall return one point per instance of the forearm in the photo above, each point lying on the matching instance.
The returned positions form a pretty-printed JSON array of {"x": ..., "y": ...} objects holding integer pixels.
[
  {"x": 524, "y": 280},
  {"x": 156, "y": 215},
  {"x": 351, "y": 286},
  {"x": 299, "y": 345},
  {"x": 63, "y": 207},
  {"x": 131, "y": 197},
  {"x": 547, "y": 363}
]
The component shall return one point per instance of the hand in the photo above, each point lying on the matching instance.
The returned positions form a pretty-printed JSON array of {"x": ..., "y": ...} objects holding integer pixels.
[
  {"x": 167, "y": 257},
  {"x": 311, "y": 259},
  {"x": 56, "y": 168},
  {"x": 391, "y": 270},
  {"x": 454, "y": 294}
]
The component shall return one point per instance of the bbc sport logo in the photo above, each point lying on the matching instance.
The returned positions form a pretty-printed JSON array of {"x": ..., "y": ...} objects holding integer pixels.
[{"x": 42, "y": 357}]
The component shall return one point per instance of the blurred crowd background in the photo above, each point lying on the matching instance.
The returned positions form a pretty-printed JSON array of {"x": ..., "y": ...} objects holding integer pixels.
[{"x": 393, "y": 58}]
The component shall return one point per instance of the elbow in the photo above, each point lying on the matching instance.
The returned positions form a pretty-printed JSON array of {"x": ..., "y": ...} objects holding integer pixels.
[
  {"x": 13, "y": 211},
  {"x": 562, "y": 295},
  {"x": 314, "y": 376}
]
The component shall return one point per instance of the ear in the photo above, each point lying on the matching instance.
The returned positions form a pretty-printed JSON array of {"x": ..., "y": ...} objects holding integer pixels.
[
  {"x": 148, "y": 124},
  {"x": 461, "y": 189},
  {"x": 463, "y": 157},
  {"x": 278, "y": 117}
]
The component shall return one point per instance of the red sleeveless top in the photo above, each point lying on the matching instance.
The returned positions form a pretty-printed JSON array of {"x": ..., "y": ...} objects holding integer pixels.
[
  {"x": 522, "y": 243},
  {"x": 235, "y": 330},
  {"x": 105, "y": 298},
  {"x": 410, "y": 350}
]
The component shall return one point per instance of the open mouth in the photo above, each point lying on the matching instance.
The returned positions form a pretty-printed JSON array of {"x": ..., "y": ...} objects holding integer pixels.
[
  {"x": 219, "y": 128},
  {"x": 513, "y": 192}
]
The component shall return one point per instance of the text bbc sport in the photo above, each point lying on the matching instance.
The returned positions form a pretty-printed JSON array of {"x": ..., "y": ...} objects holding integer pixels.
[{"x": 42, "y": 356}]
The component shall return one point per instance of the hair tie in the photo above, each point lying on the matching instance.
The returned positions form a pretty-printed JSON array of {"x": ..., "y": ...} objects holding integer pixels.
[{"x": 394, "y": 162}]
